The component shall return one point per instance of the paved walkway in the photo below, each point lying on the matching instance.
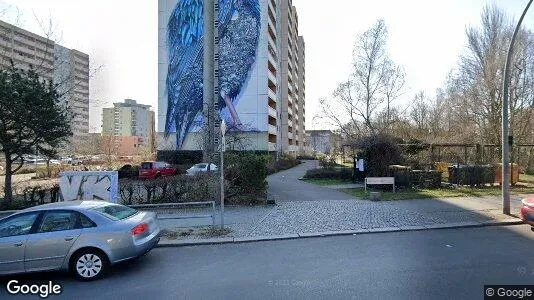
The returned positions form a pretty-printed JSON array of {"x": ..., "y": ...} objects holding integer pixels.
[
  {"x": 312, "y": 218},
  {"x": 285, "y": 186}
]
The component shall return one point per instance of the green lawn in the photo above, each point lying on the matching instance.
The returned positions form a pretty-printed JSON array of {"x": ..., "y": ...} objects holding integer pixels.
[
  {"x": 327, "y": 181},
  {"x": 526, "y": 178},
  {"x": 439, "y": 193}
]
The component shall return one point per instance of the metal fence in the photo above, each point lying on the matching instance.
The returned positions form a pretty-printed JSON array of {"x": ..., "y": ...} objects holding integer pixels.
[
  {"x": 167, "y": 206},
  {"x": 157, "y": 208}
]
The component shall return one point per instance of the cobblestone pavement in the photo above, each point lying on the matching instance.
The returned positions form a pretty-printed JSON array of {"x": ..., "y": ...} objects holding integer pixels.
[{"x": 299, "y": 217}]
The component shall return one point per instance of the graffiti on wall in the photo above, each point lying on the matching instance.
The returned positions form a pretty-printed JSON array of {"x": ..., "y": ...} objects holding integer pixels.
[
  {"x": 239, "y": 31},
  {"x": 89, "y": 186}
]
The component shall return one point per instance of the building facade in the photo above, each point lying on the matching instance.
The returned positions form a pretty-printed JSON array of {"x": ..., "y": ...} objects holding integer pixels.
[
  {"x": 68, "y": 69},
  {"x": 132, "y": 124},
  {"x": 249, "y": 64},
  {"x": 292, "y": 88}
]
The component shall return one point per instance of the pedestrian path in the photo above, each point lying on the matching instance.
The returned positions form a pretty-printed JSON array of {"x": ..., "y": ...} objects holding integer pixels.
[{"x": 316, "y": 218}]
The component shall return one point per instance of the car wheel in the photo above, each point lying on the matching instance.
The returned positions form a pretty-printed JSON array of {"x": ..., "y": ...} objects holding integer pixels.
[{"x": 89, "y": 265}]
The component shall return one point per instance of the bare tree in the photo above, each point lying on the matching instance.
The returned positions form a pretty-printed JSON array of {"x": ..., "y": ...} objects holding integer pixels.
[{"x": 374, "y": 84}]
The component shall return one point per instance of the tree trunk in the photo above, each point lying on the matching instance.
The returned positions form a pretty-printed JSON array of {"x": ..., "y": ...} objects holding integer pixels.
[{"x": 8, "y": 192}]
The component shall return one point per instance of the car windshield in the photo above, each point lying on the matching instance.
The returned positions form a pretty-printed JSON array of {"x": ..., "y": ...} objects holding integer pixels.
[
  {"x": 116, "y": 212},
  {"x": 200, "y": 166},
  {"x": 146, "y": 166}
]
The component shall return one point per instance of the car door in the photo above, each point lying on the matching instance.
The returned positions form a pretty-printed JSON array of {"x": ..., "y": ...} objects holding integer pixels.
[
  {"x": 13, "y": 236},
  {"x": 47, "y": 248},
  {"x": 169, "y": 171}
]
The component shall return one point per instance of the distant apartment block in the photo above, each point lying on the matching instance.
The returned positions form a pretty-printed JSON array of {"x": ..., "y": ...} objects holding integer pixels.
[
  {"x": 67, "y": 68},
  {"x": 132, "y": 124},
  {"x": 321, "y": 141}
]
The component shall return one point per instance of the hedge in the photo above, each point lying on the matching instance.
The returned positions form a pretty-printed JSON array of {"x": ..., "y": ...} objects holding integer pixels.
[
  {"x": 476, "y": 175},
  {"x": 345, "y": 174}
]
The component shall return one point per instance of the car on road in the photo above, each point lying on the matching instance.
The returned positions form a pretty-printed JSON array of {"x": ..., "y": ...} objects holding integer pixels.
[
  {"x": 156, "y": 169},
  {"x": 203, "y": 167},
  {"x": 527, "y": 211},
  {"x": 84, "y": 237}
]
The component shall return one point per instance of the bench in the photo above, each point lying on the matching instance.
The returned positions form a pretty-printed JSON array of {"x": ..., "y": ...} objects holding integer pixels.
[{"x": 379, "y": 180}]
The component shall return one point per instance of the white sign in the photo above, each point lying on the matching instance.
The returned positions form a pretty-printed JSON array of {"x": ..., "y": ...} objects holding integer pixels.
[
  {"x": 379, "y": 180},
  {"x": 89, "y": 186}
]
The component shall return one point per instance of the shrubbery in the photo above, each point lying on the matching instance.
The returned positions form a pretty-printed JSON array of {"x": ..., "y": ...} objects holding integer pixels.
[
  {"x": 25, "y": 195},
  {"x": 344, "y": 174},
  {"x": 284, "y": 163},
  {"x": 405, "y": 177},
  {"x": 306, "y": 157},
  {"x": 472, "y": 175},
  {"x": 246, "y": 176},
  {"x": 379, "y": 152},
  {"x": 175, "y": 189}
]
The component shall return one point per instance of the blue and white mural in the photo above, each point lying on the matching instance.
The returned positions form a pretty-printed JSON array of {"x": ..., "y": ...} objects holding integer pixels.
[{"x": 239, "y": 33}]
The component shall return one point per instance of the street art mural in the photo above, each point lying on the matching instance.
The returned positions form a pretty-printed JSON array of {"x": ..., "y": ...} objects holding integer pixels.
[
  {"x": 89, "y": 186},
  {"x": 239, "y": 33}
]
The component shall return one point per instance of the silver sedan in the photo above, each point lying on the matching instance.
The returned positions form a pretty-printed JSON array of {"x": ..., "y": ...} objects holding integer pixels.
[{"x": 84, "y": 237}]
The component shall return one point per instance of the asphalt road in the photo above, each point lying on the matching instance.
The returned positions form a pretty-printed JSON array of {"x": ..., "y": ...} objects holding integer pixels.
[
  {"x": 286, "y": 186},
  {"x": 432, "y": 264}
]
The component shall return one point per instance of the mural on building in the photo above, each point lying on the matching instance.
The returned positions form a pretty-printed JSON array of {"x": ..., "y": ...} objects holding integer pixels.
[
  {"x": 239, "y": 31},
  {"x": 89, "y": 186}
]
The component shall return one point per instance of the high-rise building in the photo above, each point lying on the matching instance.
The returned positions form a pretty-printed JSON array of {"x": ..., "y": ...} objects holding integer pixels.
[
  {"x": 130, "y": 119},
  {"x": 292, "y": 85},
  {"x": 301, "y": 96},
  {"x": 248, "y": 66},
  {"x": 68, "y": 69}
]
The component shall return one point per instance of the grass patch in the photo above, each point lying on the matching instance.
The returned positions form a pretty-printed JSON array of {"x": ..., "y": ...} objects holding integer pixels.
[
  {"x": 525, "y": 178},
  {"x": 211, "y": 232},
  {"x": 438, "y": 193},
  {"x": 326, "y": 181},
  {"x": 205, "y": 232}
]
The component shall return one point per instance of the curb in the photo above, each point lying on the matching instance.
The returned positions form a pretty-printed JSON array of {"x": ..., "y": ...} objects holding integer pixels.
[{"x": 220, "y": 241}]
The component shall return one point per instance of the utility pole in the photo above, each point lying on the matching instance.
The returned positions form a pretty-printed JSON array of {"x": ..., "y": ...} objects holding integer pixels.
[
  {"x": 223, "y": 149},
  {"x": 507, "y": 140},
  {"x": 210, "y": 88}
]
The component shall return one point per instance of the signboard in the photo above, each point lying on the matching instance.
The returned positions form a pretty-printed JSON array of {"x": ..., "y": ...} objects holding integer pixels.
[
  {"x": 89, "y": 186},
  {"x": 379, "y": 180}
]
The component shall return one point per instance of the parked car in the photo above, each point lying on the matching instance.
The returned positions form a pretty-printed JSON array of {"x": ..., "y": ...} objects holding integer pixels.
[
  {"x": 84, "y": 237},
  {"x": 204, "y": 167},
  {"x": 55, "y": 162},
  {"x": 128, "y": 171},
  {"x": 527, "y": 211},
  {"x": 156, "y": 169}
]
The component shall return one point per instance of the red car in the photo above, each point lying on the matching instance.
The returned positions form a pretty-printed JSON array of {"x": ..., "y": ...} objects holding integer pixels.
[
  {"x": 527, "y": 211},
  {"x": 156, "y": 169}
]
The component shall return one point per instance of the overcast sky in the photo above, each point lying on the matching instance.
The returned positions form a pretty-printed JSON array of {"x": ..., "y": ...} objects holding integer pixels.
[{"x": 120, "y": 36}]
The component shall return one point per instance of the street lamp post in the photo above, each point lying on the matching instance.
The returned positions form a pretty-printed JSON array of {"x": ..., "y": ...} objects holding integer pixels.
[
  {"x": 223, "y": 148},
  {"x": 506, "y": 139}
]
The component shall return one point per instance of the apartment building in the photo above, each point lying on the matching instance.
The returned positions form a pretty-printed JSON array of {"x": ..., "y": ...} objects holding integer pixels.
[
  {"x": 292, "y": 86},
  {"x": 257, "y": 110},
  {"x": 133, "y": 124},
  {"x": 67, "y": 68},
  {"x": 301, "y": 97}
]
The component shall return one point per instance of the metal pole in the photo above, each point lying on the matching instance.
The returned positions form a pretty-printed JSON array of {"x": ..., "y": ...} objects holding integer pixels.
[
  {"x": 222, "y": 187},
  {"x": 223, "y": 148},
  {"x": 505, "y": 126}
]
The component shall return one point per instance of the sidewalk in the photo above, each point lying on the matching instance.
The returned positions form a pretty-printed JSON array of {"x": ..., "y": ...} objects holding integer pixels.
[{"x": 333, "y": 217}]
